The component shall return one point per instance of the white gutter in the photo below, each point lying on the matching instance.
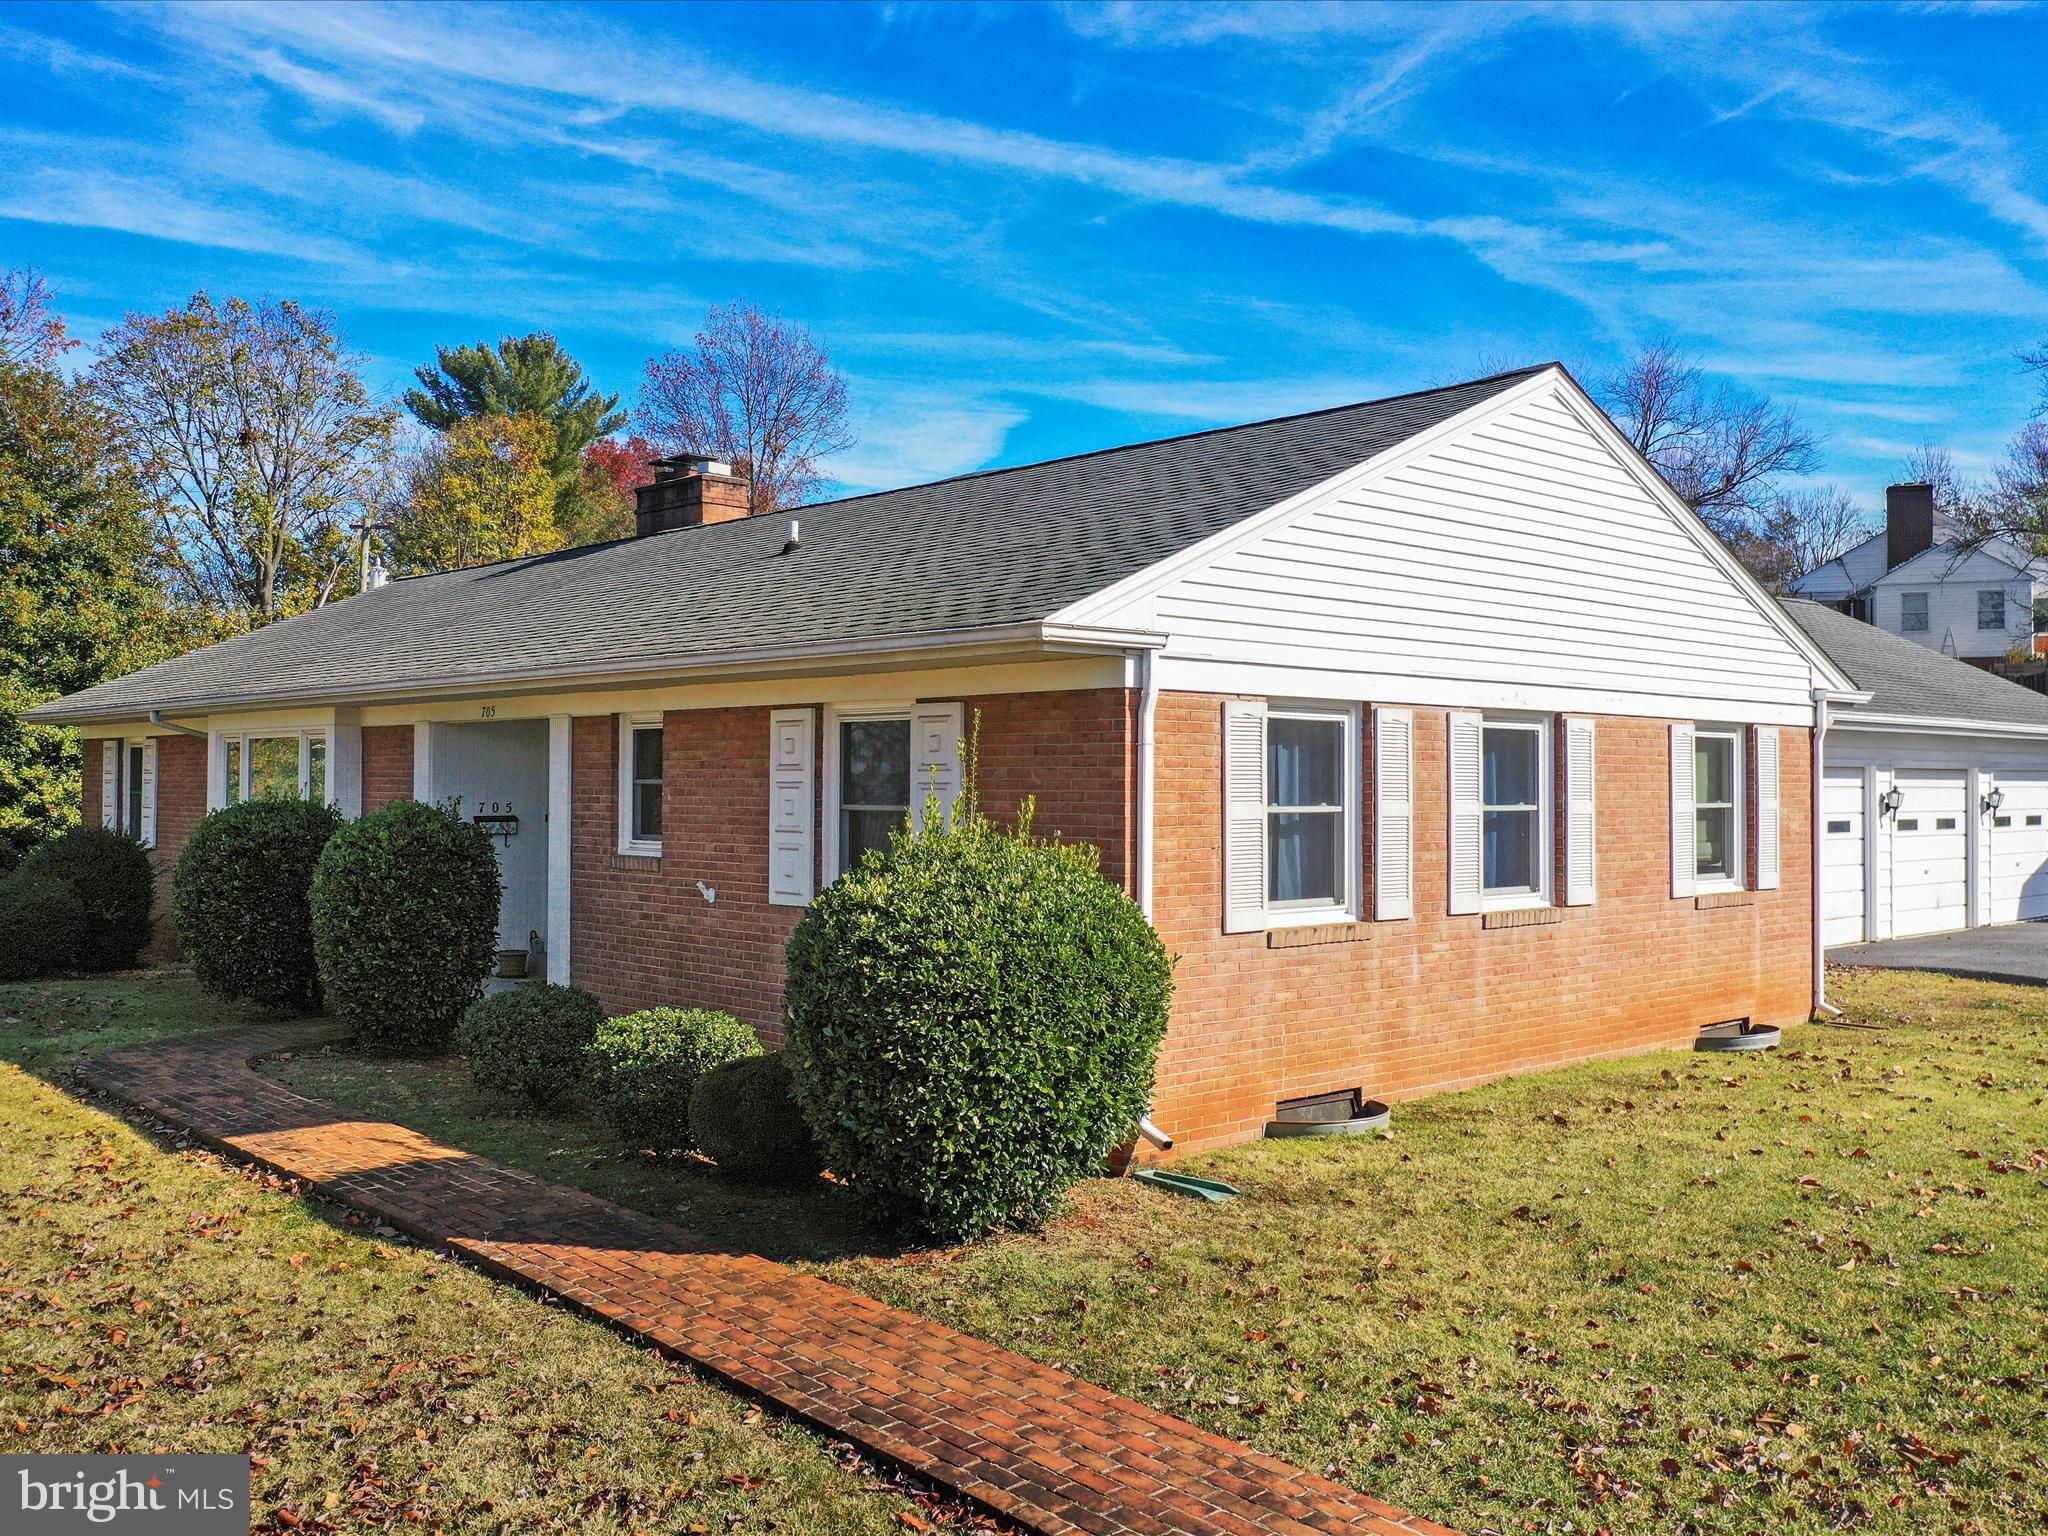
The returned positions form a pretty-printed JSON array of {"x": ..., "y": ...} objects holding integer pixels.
[
  {"x": 156, "y": 718},
  {"x": 1148, "y": 709},
  {"x": 1009, "y": 639},
  {"x": 1863, "y": 720}
]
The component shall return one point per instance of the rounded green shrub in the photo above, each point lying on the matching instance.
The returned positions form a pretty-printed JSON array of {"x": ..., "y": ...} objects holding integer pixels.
[
  {"x": 242, "y": 899},
  {"x": 973, "y": 1016},
  {"x": 640, "y": 1070},
  {"x": 405, "y": 924},
  {"x": 42, "y": 924},
  {"x": 110, "y": 874},
  {"x": 744, "y": 1117},
  {"x": 530, "y": 1040}
]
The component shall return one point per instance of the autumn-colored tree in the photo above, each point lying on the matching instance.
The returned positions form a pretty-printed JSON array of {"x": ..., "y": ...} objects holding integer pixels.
[
  {"x": 520, "y": 376},
  {"x": 79, "y": 596},
  {"x": 259, "y": 443},
  {"x": 756, "y": 391},
  {"x": 31, "y": 331},
  {"x": 603, "y": 505},
  {"x": 481, "y": 491}
]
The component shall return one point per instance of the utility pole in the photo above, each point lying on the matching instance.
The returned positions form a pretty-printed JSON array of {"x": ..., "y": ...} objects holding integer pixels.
[{"x": 364, "y": 530}]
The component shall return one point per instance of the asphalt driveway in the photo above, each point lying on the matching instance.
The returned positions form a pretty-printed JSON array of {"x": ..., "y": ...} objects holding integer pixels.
[{"x": 2011, "y": 952}]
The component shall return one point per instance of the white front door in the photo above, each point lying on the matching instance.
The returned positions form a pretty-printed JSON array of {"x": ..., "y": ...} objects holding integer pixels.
[
  {"x": 1841, "y": 857},
  {"x": 1930, "y": 852},
  {"x": 2018, "y": 840}
]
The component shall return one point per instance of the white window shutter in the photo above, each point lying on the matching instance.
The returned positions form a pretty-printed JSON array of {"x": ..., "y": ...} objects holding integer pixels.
[
  {"x": 1467, "y": 877},
  {"x": 1244, "y": 815},
  {"x": 149, "y": 792},
  {"x": 792, "y": 756},
  {"x": 1393, "y": 813},
  {"x": 110, "y": 783},
  {"x": 1684, "y": 834},
  {"x": 935, "y": 749},
  {"x": 1579, "y": 819},
  {"x": 1767, "y": 814}
]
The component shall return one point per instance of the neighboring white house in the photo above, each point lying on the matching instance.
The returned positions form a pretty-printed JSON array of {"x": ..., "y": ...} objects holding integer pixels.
[
  {"x": 1916, "y": 580},
  {"x": 1934, "y": 792}
]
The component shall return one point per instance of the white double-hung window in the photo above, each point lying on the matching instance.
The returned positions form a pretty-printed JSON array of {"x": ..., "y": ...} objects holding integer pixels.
[
  {"x": 1514, "y": 828},
  {"x": 886, "y": 768},
  {"x": 1510, "y": 798},
  {"x": 1724, "y": 782},
  {"x": 1291, "y": 835},
  {"x": 1717, "y": 806},
  {"x": 641, "y": 779},
  {"x": 271, "y": 765}
]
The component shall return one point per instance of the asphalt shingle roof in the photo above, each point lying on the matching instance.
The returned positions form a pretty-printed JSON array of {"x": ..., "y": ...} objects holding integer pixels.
[
  {"x": 1905, "y": 678},
  {"x": 1005, "y": 546}
]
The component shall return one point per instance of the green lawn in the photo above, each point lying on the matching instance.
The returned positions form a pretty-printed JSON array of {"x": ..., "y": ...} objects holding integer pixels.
[
  {"x": 1677, "y": 1293},
  {"x": 155, "y": 1299}
]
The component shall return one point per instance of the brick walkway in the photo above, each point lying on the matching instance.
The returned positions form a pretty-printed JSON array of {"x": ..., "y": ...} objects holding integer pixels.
[{"x": 1028, "y": 1442}]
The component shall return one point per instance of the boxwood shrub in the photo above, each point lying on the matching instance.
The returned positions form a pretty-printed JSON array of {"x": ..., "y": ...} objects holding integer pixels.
[
  {"x": 744, "y": 1117},
  {"x": 530, "y": 1040},
  {"x": 110, "y": 874},
  {"x": 973, "y": 1016},
  {"x": 242, "y": 898},
  {"x": 641, "y": 1068},
  {"x": 405, "y": 924},
  {"x": 42, "y": 923}
]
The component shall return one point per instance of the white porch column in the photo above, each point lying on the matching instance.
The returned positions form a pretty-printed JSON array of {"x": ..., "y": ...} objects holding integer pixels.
[
  {"x": 423, "y": 761},
  {"x": 559, "y": 827},
  {"x": 345, "y": 763}
]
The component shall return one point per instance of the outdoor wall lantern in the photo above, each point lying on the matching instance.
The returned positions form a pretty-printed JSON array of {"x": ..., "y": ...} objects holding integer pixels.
[
  {"x": 1891, "y": 800},
  {"x": 1994, "y": 799}
]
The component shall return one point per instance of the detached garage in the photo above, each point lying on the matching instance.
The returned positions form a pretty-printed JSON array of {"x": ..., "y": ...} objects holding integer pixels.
[{"x": 1933, "y": 792}]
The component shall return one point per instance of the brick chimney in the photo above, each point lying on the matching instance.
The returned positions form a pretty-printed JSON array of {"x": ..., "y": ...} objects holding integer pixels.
[
  {"x": 1908, "y": 521},
  {"x": 688, "y": 489}
]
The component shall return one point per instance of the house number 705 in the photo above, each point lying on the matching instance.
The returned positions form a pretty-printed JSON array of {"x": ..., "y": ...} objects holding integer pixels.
[{"x": 490, "y": 712}]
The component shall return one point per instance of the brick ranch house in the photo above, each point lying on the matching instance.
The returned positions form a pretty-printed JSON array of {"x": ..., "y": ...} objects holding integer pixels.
[{"x": 1437, "y": 737}]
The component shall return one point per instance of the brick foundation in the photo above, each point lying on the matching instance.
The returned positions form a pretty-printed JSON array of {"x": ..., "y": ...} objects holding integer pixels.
[{"x": 1435, "y": 1001}]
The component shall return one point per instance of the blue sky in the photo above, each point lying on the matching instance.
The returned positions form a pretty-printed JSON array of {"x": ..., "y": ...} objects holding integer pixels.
[{"x": 1030, "y": 231}]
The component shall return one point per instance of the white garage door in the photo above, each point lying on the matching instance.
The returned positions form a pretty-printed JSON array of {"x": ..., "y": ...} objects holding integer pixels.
[
  {"x": 1841, "y": 856},
  {"x": 1930, "y": 852},
  {"x": 2019, "y": 849}
]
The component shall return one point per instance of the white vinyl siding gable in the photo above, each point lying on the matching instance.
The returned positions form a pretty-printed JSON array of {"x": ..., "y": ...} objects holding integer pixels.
[{"x": 1521, "y": 548}]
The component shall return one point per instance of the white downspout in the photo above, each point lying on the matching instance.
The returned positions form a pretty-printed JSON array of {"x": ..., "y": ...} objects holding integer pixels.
[
  {"x": 1817, "y": 774},
  {"x": 1148, "y": 709}
]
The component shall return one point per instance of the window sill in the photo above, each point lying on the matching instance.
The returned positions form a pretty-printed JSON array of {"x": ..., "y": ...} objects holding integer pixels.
[
  {"x": 1308, "y": 917},
  {"x": 1302, "y": 935},
  {"x": 1526, "y": 902},
  {"x": 1706, "y": 901},
  {"x": 1521, "y": 917}
]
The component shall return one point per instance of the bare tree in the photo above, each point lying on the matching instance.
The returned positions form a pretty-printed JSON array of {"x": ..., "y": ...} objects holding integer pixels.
[
  {"x": 260, "y": 442},
  {"x": 755, "y": 391},
  {"x": 1721, "y": 450},
  {"x": 1798, "y": 531},
  {"x": 31, "y": 331},
  {"x": 1932, "y": 464}
]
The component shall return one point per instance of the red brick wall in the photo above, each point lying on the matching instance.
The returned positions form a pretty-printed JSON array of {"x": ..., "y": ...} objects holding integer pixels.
[
  {"x": 387, "y": 765},
  {"x": 1438, "y": 1001},
  {"x": 180, "y": 802},
  {"x": 641, "y": 933}
]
